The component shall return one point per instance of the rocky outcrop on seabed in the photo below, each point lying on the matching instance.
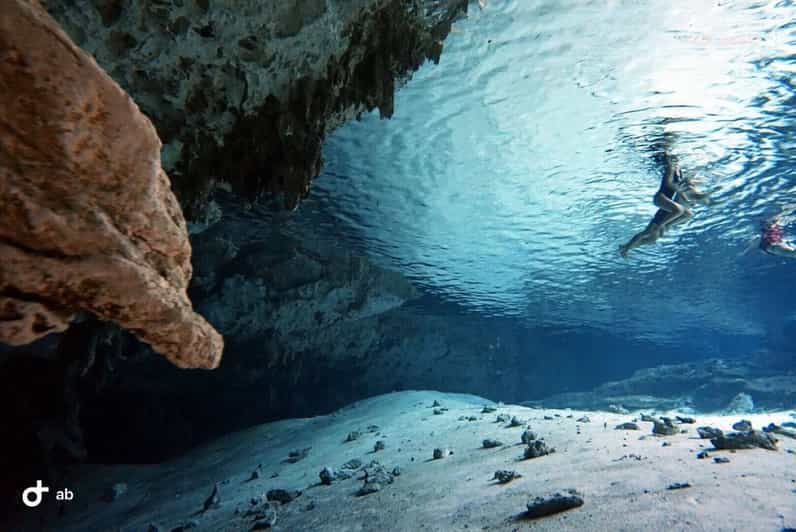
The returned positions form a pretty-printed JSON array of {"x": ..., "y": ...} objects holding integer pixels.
[
  {"x": 244, "y": 92},
  {"x": 88, "y": 221},
  {"x": 709, "y": 385}
]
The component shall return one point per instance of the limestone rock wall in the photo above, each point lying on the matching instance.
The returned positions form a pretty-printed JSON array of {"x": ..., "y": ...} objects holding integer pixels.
[
  {"x": 244, "y": 91},
  {"x": 88, "y": 221},
  {"x": 287, "y": 299}
]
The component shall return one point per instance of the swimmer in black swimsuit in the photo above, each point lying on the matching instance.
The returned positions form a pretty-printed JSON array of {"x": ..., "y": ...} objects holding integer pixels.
[{"x": 673, "y": 199}]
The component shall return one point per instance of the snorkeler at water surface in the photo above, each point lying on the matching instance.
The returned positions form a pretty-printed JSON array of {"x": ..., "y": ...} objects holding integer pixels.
[
  {"x": 673, "y": 199},
  {"x": 772, "y": 235}
]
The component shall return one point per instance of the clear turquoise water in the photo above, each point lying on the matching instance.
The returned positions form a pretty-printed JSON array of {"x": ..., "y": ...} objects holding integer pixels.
[{"x": 512, "y": 171}]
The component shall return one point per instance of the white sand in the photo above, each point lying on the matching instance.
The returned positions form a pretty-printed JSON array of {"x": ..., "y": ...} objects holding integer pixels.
[{"x": 755, "y": 491}]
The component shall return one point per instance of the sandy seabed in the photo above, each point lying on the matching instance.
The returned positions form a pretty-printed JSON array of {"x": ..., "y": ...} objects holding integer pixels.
[{"x": 623, "y": 476}]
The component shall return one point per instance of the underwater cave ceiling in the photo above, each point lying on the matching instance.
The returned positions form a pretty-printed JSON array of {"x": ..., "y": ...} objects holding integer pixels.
[
  {"x": 242, "y": 94},
  {"x": 245, "y": 92}
]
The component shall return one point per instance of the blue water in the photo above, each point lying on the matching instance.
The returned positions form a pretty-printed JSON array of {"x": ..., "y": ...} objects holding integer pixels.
[{"x": 512, "y": 171}]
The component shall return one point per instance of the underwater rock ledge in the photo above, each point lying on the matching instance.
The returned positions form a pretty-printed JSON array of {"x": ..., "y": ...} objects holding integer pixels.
[
  {"x": 89, "y": 222},
  {"x": 245, "y": 92}
]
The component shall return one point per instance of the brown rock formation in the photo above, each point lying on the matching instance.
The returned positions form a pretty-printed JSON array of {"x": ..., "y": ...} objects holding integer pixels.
[{"x": 88, "y": 221}]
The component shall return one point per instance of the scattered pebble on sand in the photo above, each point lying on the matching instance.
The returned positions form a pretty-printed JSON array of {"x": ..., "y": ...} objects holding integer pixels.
[
  {"x": 536, "y": 449},
  {"x": 627, "y": 426},
  {"x": 664, "y": 427},
  {"x": 327, "y": 476},
  {"x": 264, "y": 517},
  {"x": 375, "y": 478},
  {"x": 441, "y": 453},
  {"x": 298, "y": 455},
  {"x": 527, "y": 436},
  {"x": 553, "y": 504},
  {"x": 504, "y": 476},
  {"x": 678, "y": 485},
  {"x": 721, "y": 459},
  {"x": 354, "y": 463},
  {"x": 282, "y": 495},
  {"x": 489, "y": 443}
]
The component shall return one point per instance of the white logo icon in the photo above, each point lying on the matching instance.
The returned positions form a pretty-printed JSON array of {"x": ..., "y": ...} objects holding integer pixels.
[{"x": 32, "y": 496}]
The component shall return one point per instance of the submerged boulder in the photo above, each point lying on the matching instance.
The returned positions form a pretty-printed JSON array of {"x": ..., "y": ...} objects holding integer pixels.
[{"x": 745, "y": 440}]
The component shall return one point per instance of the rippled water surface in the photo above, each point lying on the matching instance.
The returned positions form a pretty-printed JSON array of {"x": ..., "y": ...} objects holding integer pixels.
[{"x": 512, "y": 171}]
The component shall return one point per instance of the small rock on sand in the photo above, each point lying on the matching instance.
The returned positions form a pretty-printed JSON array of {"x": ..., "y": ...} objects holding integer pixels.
[
  {"x": 721, "y": 460},
  {"x": 553, "y": 504},
  {"x": 626, "y": 426},
  {"x": 376, "y": 477},
  {"x": 502, "y": 418},
  {"x": 742, "y": 425},
  {"x": 504, "y": 476},
  {"x": 678, "y": 486},
  {"x": 776, "y": 429},
  {"x": 488, "y": 409},
  {"x": 664, "y": 427},
  {"x": 515, "y": 422},
  {"x": 327, "y": 476},
  {"x": 745, "y": 440},
  {"x": 583, "y": 419},
  {"x": 490, "y": 443},
  {"x": 685, "y": 420},
  {"x": 297, "y": 455},
  {"x": 708, "y": 433},
  {"x": 353, "y": 464},
  {"x": 527, "y": 436},
  {"x": 264, "y": 517},
  {"x": 282, "y": 495},
  {"x": 536, "y": 449},
  {"x": 353, "y": 435},
  {"x": 441, "y": 453},
  {"x": 379, "y": 446}
]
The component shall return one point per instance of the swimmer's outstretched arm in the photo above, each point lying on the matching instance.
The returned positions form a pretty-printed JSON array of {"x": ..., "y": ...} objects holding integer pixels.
[{"x": 691, "y": 195}]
